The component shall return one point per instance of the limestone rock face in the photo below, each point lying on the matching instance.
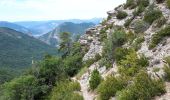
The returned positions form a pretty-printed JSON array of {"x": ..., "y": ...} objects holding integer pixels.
[{"x": 155, "y": 56}]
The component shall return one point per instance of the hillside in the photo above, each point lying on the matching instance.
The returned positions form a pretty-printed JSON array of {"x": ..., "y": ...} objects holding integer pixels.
[
  {"x": 15, "y": 27},
  {"x": 18, "y": 49},
  {"x": 52, "y": 37},
  {"x": 126, "y": 57}
]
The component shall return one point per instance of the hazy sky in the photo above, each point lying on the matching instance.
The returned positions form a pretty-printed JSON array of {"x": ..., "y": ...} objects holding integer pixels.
[{"x": 20, "y": 10}]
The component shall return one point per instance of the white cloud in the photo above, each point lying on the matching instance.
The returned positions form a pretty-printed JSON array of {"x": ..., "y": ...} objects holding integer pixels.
[{"x": 15, "y": 10}]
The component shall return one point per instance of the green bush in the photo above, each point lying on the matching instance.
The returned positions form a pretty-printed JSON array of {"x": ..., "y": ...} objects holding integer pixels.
[
  {"x": 167, "y": 59},
  {"x": 130, "y": 4},
  {"x": 110, "y": 86},
  {"x": 116, "y": 39},
  {"x": 120, "y": 53},
  {"x": 140, "y": 26},
  {"x": 156, "y": 38},
  {"x": 131, "y": 64},
  {"x": 95, "y": 79},
  {"x": 160, "y": 22},
  {"x": 152, "y": 14},
  {"x": 139, "y": 10},
  {"x": 167, "y": 73},
  {"x": 128, "y": 22},
  {"x": 168, "y": 3},
  {"x": 144, "y": 3},
  {"x": 22, "y": 88},
  {"x": 103, "y": 34},
  {"x": 138, "y": 42},
  {"x": 65, "y": 90},
  {"x": 142, "y": 88},
  {"x": 121, "y": 15}
]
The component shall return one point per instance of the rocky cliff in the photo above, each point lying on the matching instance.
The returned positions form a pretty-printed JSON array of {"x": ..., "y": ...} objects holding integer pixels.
[{"x": 145, "y": 20}]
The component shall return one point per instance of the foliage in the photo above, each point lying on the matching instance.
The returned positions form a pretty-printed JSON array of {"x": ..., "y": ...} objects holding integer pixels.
[
  {"x": 116, "y": 39},
  {"x": 152, "y": 14},
  {"x": 95, "y": 79},
  {"x": 167, "y": 68},
  {"x": 167, "y": 59},
  {"x": 160, "y": 22},
  {"x": 65, "y": 43},
  {"x": 137, "y": 42},
  {"x": 156, "y": 38},
  {"x": 143, "y": 88},
  {"x": 65, "y": 90},
  {"x": 139, "y": 10},
  {"x": 7, "y": 74},
  {"x": 128, "y": 22},
  {"x": 168, "y": 3},
  {"x": 130, "y": 4},
  {"x": 103, "y": 34},
  {"x": 167, "y": 72},
  {"x": 110, "y": 86},
  {"x": 22, "y": 88},
  {"x": 121, "y": 15},
  {"x": 140, "y": 26},
  {"x": 131, "y": 64}
]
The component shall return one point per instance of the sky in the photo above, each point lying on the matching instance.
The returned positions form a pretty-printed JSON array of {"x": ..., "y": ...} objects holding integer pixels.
[{"x": 36, "y": 10}]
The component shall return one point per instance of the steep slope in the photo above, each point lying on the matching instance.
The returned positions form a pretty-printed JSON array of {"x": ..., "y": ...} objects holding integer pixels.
[
  {"x": 146, "y": 33},
  {"x": 52, "y": 37},
  {"x": 18, "y": 49},
  {"x": 15, "y": 27}
]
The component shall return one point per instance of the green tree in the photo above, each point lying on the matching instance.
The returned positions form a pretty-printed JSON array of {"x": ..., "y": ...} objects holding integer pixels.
[
  {"x": 22, "y": 88},
  {"x": 65, "y": 43},
  {"x": 95, "y": 79}
]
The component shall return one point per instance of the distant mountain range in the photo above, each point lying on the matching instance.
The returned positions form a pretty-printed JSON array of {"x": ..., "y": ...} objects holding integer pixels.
[
  {"x": 52, "y": 38},
  {"x": 15, "y": 27},
  {"x": 18, "y": 49},
  {"x": 42, "y": 27}
]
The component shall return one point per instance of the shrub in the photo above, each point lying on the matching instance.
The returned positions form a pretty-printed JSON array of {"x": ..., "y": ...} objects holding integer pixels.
[
  {"x": 121, "y": 15},
  {"x": 128, "y": 22},
  {"x": 130, "y": 4},
  {"x": 156, "y": 38},
  {"x": 21, "y": 88},
  {"x": 95, "y": 79},
  {"x": 116, "y": 39},
  {"x": 139, "y": 10},
  {"x": 110, "y": 86},
  {"x": 137, "y": 42},
  {"x": 130, "y": 64},
  {"x": 140, "y": 26},
  {"x": 103, "y": 34},
  {"x": 65, "y": 90},
  {"x": 143, "y": 61},
  {"x": 144, "y": 3},
  {"x": 167, "y": 59},
  {"x": 152, "y": 14},
  {"x": 120, "y": 54},
  {"x": 143, "y": 88},
  {"x": 167, "y": 73},
  {"x": 168, "y": 3},
  {"x": 159, "y": 22}
]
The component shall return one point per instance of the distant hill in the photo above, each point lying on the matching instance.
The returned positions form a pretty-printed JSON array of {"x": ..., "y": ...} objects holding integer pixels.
[
  {"x": 15, "y": 27},
  {"x": 52, "y": 37},
  {"x": 18, "y": 49},
  {"x": 42, "y": 27}
]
